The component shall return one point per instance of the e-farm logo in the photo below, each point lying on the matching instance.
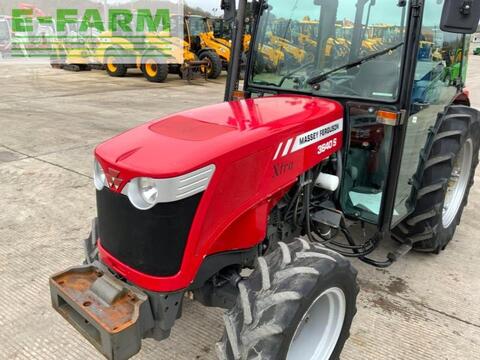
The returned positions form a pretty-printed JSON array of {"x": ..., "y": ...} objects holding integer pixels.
[
  {"x": 96, "y": 36},
  {"x": 118, "y": 20}
]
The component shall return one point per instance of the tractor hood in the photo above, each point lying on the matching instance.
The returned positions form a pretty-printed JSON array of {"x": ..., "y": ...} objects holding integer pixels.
[{"x": 223, "y": 133}]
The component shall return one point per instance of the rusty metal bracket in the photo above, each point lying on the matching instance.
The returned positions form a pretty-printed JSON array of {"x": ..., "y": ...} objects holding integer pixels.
[{"x": 111, "y": 314}]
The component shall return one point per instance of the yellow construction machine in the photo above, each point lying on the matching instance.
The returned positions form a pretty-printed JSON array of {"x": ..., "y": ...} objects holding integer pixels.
[
  {"x": 155, "y": 54},
  {"x": 206, "y": 47},
  {"x": 222, "y": 32},
  {"x": 148, "y": 54}
]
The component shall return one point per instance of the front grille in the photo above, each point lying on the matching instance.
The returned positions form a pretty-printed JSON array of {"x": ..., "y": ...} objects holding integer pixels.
[{"x": 152, "y": 241}]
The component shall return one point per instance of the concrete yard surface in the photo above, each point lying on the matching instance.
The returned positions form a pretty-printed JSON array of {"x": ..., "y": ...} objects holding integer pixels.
[{"x": 423, "y": 307}]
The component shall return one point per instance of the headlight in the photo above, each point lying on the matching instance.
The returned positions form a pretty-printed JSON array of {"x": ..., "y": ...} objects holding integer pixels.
[
  {"x": 143, "y": 193},
  {"x": 99, "y": 178}
]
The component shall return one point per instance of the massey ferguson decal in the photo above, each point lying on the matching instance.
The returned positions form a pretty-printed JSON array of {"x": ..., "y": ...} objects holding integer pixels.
[{"x": 312, "y": 137}]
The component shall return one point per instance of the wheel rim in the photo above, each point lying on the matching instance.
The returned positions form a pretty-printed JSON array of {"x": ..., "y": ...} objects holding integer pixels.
[
  {"x": 151, "y": 68},
  {"x": 111, "y": 66},
  {"x": 457, "y": 183},
  {"x": 318, "y": 332}
]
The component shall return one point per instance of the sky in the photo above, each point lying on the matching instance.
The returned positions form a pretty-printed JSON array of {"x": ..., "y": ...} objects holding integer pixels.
[{"x": 204, "y": 4}]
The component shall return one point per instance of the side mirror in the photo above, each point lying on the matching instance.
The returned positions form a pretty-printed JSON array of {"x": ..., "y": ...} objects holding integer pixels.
[{"x": 460, "y": 16}]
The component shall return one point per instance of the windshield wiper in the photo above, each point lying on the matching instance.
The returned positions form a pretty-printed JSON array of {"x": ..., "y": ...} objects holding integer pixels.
[{"x": 322, "y": 77}]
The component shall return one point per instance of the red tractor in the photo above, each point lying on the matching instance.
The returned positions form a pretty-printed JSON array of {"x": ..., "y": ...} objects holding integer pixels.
[{"x": 252, "y": 205}]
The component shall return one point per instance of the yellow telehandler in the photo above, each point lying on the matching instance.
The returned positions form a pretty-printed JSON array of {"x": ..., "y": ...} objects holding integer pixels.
[{"x": 147, "y": 54}]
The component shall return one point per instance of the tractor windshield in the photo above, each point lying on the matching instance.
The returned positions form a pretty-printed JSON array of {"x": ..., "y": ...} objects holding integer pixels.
[
  {"x": 198, "y": 25},
  {"x": 304, "y": 39}
]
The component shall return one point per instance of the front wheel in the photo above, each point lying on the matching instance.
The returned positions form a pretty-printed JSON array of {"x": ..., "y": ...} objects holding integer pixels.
[
  {"x": 153, "y": 71},
  {"x": 297, "y": 305},
  {"x": 214, "y": 64}
]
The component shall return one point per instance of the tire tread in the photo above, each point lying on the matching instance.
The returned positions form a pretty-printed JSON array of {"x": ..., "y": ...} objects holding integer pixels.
[{"x": 275, "y": 290}]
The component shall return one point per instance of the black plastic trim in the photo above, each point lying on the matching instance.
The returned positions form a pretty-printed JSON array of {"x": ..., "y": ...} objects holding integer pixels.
[
  {"x": 152, "y": 241},
  {"x": 213, "y": 264}
]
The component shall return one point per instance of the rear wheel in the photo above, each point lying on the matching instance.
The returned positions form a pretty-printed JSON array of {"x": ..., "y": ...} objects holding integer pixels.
[
  {"x": 214, "y": 64},
  {"x": 153, "y": 71},
  {"x": 444, "y": 186},
  {"x": 297, "y": 305}
]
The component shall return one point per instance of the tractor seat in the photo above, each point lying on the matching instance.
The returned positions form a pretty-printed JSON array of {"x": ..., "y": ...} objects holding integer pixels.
[{"x": 377, "y": 79}]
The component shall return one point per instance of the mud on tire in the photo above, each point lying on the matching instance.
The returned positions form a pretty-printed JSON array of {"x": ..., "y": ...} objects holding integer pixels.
[
  {"x": 274, "y": 299},
  {"x": 426, "y": 228}
]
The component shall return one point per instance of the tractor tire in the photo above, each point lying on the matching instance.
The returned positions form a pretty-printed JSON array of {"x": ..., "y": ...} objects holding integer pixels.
[
  {"x": 290, "y": 285},
  {"x": 112, "y": 66},
  {"x": 214, "y": 67},
  {"x": 154, "y": 72},
  {"x": 445, "y": 183}
]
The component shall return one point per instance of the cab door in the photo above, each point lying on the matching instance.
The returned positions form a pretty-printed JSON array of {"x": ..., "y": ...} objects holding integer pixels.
[{"x": 438, "y": 73}]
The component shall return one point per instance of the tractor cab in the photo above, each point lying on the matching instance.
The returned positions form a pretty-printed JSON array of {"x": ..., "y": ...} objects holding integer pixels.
[
  {"x": 377, "y": 80},
  {"x": 366, "y": 84},
  {"x": 201, "y": 34},
  {"x": 196, "y": 26},
  {"x": 222, "y": 28}
]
